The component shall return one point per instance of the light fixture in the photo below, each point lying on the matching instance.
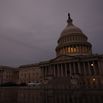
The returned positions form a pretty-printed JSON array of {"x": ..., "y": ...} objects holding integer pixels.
[
  {"x": 94, "y": 79},
  {"x": 92, "y": 65}
]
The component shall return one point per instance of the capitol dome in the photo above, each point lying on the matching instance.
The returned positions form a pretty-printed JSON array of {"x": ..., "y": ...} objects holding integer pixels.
[
  {"x": 73, "y": 41},
  {"x": 69, "y": 29}
]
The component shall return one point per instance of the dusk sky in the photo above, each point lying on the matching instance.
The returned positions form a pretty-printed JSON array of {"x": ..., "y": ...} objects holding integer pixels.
[{"x": 29, "y": 29}]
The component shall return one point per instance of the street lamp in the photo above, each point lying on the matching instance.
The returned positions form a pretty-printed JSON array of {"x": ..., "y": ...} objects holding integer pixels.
[
  {"x": 92, "y": 64},
  {"x": 93, "y": 79},
  {"x": 92, "y": 68}
]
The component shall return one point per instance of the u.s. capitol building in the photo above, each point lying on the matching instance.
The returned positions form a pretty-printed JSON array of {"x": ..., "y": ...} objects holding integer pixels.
[
  {"x": 74, "y": 70},
  {"x": 74, "y": 60}
]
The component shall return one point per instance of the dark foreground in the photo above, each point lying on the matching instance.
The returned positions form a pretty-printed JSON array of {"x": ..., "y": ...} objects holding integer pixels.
[{"x": 44, "y": 95}]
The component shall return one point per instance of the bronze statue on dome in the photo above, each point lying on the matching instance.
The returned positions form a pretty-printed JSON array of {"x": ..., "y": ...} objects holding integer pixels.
[{"x": 69, "y": 18}]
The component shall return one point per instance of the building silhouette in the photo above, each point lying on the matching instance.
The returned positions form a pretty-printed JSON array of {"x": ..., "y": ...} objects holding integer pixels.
[
  {"x": 74, "y": 76},
  {"x": 74, "y": 60}
]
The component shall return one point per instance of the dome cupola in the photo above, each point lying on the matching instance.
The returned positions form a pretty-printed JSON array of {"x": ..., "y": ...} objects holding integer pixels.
[{"x": 73, "y": 41}]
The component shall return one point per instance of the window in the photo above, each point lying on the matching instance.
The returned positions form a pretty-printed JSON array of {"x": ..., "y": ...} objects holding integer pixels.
[{"x": 71, "y": 50}]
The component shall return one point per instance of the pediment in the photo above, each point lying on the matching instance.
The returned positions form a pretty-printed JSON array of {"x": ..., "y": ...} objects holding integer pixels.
[{"x": 62, "y": 58}]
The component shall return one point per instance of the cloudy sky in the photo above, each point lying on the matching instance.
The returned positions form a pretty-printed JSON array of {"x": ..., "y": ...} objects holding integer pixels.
[{"x": 29, "y": 29}]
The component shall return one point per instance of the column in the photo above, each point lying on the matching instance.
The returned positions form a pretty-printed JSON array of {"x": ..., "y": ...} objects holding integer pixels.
[
  {"x": 77, "y": 48},
  {"x": 51, "y": 70},
  {"x": 54, "y": 70},
  {"x": 84, "y": 68},
  {"x": 66, "y": 50},
  {"x": 44, "y": 70},
  {"x": 70, "y": 49},
  {"x": 88, "y": 49},
  {"x": 58, "y": 73},
  {"x": 94, "y": 68},
  {"x": 88, "y": 69},
  {"x": 47, "y": 71},
  {"x": 62, "y": 70},
  {"x": 70, "y": 69},
  {"x": 74, "y": 71},
  {"x": 79, "y": 68},
  {"x": 65, "y": 70},
  {"x": 81, "y": 48},
  {"x": 100, "y": 67}
]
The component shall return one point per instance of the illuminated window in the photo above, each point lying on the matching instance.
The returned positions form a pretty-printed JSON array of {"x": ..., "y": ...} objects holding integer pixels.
[
  {"x": 71, "y": 50},
  {"x": 74, "y": 49}
]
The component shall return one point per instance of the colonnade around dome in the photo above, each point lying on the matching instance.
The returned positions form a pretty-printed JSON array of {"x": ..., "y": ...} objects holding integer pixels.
[{"x": 77, "y": 50}]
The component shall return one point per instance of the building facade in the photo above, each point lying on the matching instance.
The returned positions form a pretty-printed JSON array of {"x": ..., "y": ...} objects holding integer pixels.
[
  {"x": 22, "y": 75},
  {"x": 8, "y": 74},
  {"x": 29, "y": 74},
  {"x": 74, "y": 76},
  {"x": 74, "y": 60}
]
